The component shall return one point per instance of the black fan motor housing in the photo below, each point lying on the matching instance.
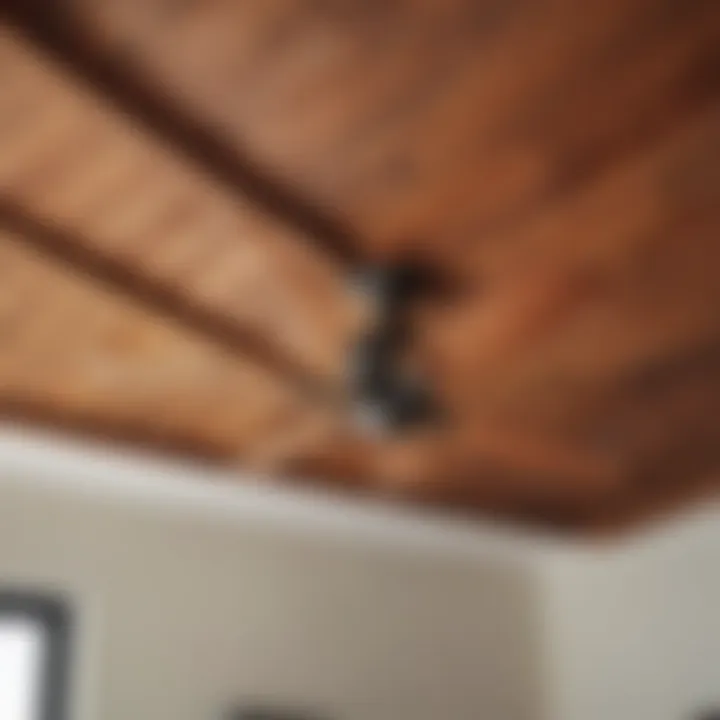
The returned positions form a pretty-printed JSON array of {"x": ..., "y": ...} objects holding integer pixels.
[{"x": 384, "y": 388}]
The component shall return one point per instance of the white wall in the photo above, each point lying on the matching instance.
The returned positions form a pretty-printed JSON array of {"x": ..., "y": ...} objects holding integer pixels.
[
  {"x": 193, "y": 593},
  {"x": 185, "y": 610},
  {"x": 633, "y": 628}
]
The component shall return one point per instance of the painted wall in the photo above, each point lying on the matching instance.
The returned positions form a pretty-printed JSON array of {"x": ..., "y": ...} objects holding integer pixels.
[
  {"x": 193, "y": 593},
  {"x": 184, "y": 612},
  {"x": 633, "y": 628}
]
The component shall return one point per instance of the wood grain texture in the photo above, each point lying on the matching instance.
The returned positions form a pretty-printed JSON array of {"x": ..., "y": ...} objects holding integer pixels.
[
  {"x": 423, "y": 119},
  {"x": 70, "y": 349},
  {"x": 217, "y": 165},
  {"x": 619, "y": 275},
  {"x": 68, "y": 158}
]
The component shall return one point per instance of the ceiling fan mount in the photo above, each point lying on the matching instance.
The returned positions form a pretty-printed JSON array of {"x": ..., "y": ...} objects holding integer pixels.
[{"x": 389, "y": 393}]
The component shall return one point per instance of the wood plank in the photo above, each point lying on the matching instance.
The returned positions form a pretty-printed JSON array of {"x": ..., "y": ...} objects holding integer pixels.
[
  {"x": 75, "y": 352},
  {"x": 423, "y": 120},
  {"x": 68, "y": 158},
  {"x": 592, "y": 289}
]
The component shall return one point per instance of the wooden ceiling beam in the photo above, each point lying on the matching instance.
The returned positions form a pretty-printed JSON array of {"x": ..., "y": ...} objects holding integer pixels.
[
  {"x": 482, "y": 468},
  {"x": 78, "y": 353},
  {"x": 164, "y": 302},
  {"x": 55, "y": 28},
  {"x": 429, "y": 124},
  {"x": 127, "y": 209},
  {"x": 32, "y": 412}
]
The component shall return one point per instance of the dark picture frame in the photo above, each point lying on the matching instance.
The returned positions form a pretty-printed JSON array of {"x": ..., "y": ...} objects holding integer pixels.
[{"x": 53, "y": 615}]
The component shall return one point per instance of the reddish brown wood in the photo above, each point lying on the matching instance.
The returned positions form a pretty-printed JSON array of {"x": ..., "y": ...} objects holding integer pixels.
[{"x": 188, "y": 182}]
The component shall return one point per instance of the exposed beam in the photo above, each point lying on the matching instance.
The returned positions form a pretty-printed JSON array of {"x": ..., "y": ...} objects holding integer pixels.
[
  {"x": 486, "y": 469},
  {"x": 54, "y": 27},
  {"x": 162, "y": 300},
  {"x": 23, "y": 411}
]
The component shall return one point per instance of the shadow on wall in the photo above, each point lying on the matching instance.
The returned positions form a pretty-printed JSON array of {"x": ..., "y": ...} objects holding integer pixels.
[{"x": 267, "y": 713}]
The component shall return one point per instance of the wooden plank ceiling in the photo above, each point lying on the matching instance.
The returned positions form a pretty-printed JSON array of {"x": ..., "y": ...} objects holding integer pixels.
[{"x": 186, "y": 186}]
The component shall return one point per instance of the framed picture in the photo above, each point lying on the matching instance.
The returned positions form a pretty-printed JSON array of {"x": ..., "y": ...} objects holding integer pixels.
[{"x": 34, "y": 656}]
